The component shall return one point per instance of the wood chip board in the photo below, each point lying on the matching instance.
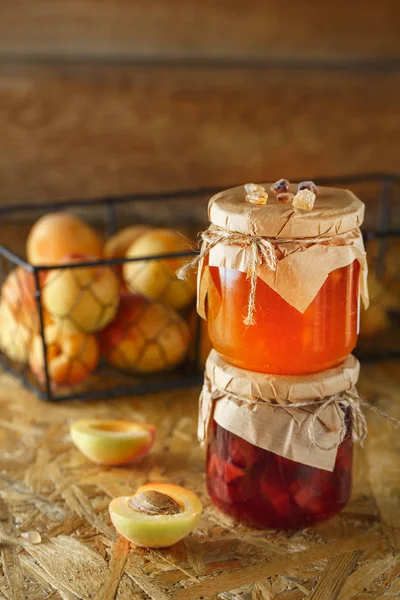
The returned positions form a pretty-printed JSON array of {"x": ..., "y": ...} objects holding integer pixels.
[{"x": 57, "y": 542}]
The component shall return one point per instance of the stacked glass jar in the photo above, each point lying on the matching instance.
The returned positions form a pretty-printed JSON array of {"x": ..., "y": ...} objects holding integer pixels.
[{"x": 281, "y": 271}]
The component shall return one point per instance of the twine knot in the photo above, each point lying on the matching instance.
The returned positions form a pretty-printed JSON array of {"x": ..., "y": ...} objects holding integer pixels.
[
  {"x": 348, "y": 399},
  {"x": 352, "y": 402},
  {"x": 262, "y": 249}
]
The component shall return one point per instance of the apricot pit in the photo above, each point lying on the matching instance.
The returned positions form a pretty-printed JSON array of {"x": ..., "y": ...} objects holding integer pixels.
[{"x": 157, "y": 516}]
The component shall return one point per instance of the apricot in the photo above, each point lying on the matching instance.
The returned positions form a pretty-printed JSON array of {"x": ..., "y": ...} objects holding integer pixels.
[
  {"x": 156, "y": 279},
  {"x": 112, "y": 442},
  {"x": 57, "y": 234},
  {"x": 118, "y": 245},
  {"x": 157, "y": 516},
  {"x": 375, "y": 319},
  {"x": 19, "y": 293},
  {"x": 83, "y": 299},
  {"x": 204, "y": 347},
  {"x": 145, "y": 337},
  {"x": 15, "y": 337},
  {"x": 71, "y": 357}
]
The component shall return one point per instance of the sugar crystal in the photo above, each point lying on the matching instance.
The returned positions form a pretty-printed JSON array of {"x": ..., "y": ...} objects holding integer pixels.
[{"x": 304, "y": 199}]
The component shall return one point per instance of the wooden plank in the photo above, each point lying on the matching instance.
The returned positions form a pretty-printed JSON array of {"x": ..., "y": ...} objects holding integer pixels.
[
  {"x": 256, "y": 30},
  {"x": 74, "y": 131}
]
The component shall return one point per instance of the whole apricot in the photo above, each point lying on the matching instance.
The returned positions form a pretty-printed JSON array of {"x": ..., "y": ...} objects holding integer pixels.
[
  {"x": 157, "y": 516},
  {"x": 112, "y": 442},
  {"x": 15, "y": 337},
  {"x": 18, "y": 292},
  {"x": 156, "y": 279},
  {"x": 83, "y": 299},
  {"x": 145, "y": 336},
  {"x": 71, "y": 357},
  {"x": 118, "y": 245},
  {"x": 375, "y": 319},
  {"x": 57, "y": 234},
  {"x": 201, "y": 344}
]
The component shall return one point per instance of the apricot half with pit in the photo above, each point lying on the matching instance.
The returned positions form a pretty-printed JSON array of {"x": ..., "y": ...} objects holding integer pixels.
[
  {"x": 112, "y": 442},
  {"x": 156, "y": 279},
  {"x": 157, "y": 516}
]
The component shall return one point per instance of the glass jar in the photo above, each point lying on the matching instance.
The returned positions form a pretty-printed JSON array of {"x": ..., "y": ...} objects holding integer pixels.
[
  {"x": 305, "y": 314},
  {"x": 279, "y": 447},
  {"x": 284, "y": 340},
  {"x": 262, "y": 489}
]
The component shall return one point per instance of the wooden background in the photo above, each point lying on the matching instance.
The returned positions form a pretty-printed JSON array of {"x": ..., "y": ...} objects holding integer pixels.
[{"x": 101, "y": 97}]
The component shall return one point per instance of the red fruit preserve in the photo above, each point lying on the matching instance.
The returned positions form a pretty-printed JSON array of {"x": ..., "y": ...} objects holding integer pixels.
[
  {"x": 279, "y": 447},
  {"x": 262, "y": 489}
]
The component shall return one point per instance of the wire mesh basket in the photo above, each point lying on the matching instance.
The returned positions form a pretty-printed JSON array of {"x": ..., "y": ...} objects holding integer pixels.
[{"x": 89, "y": 350}]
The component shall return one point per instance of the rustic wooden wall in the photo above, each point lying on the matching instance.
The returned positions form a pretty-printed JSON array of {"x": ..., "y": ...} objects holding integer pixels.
[{"x": 117, "y": 96}]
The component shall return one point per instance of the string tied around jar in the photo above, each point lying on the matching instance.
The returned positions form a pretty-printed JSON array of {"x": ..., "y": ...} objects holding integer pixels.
[
  {"x": 347, "y": 399},
  {"x": 262, "y": 252}
]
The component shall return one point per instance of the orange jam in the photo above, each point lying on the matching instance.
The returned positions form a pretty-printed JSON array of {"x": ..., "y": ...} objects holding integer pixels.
[{"x": 283, "y": 340}]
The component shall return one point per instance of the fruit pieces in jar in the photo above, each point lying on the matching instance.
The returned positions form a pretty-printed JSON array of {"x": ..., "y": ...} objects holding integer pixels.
[{"x": 270, "y": 490}]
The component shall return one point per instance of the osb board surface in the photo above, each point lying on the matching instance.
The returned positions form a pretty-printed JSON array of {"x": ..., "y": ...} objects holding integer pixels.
[
  {"x": 46, "y": 486},
  {"x": 210, "y": 29},
  {"x": 83, "y": 130}
]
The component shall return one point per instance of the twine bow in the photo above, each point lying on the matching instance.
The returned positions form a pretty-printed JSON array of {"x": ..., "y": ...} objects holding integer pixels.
[
  {"x": 262, "y": 249},
  {"x": 349, "y": 400}
]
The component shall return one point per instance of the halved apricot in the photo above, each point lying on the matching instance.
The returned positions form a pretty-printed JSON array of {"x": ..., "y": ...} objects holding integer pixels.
[
  {"x": 157, "y": 516},
  {"x": 112, "y": 442}
]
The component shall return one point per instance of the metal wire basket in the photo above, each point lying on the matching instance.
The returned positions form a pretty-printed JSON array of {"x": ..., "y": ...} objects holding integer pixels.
[{"x": 183, "y": 210}]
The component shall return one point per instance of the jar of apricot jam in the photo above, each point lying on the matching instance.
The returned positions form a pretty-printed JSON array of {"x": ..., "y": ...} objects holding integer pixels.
[
  {"x": 306, "y": 308},
  {"x": 262, "y": 469}
]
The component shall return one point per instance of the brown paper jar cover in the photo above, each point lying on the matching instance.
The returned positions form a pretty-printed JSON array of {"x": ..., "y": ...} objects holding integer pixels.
[
  {"x": 240, "y": 402},
  {"x": 336, "y": 211},
  {"x": 308, "y": 244}
]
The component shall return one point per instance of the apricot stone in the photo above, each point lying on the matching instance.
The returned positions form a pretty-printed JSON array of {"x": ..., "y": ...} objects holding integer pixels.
[
  {"x": 145, "y": 337},
  {"x": 71, "y": 357},
  {"x": 83, "y": 299},
  {"x": 157, "y": 516},
  {"x": 57, "y": 234},
  {"x": 112, "y": 442},
  {"x": 156, "y": 279}
]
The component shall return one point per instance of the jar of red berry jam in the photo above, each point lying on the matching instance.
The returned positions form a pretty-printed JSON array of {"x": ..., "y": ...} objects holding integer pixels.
[
  {"x": 279, "y": 447},
  {"x": 279, "y": 283}
]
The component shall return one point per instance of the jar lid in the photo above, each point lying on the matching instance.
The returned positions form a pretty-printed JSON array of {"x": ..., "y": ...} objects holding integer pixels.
[
  {"x": 283, "y": 389},
  {"x": 242, "y": 402},
  {"x": 335, "y": 211}
]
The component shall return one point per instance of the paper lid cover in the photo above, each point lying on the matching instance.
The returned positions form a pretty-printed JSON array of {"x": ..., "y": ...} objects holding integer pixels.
[
  {"x": 282, "y": 388},
  {"x": 336, "y": 211}
]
